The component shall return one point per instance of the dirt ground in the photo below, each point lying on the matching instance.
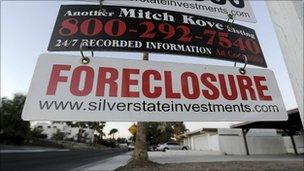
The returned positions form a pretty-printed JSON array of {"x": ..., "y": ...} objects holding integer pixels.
[{"x": 219, "y": 166}]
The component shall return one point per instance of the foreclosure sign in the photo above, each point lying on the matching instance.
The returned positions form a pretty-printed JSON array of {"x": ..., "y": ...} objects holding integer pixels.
[
  {"x": 151, "y": 30},
  {"x": 241, "y": 9},
  {"x": 108, "y": 89}
]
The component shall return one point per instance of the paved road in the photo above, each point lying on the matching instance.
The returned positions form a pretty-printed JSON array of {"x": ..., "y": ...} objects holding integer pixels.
[{"x": 53, "y": 160}]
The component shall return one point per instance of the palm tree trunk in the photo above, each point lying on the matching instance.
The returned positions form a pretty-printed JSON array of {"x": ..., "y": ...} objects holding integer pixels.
[
  {"x": 140, "y": 150},
  {"x": 79, "y": 135}
]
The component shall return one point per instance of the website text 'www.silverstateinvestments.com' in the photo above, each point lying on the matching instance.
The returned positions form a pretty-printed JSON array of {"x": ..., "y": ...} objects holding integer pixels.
[{"x": 144, "y": 106}]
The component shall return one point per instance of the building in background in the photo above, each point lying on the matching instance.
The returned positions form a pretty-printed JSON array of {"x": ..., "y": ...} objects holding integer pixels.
[
  {"x": 259, "y": 137},
  {"x": 231, "y": 141},
  {"x": 71, "y": 133}
]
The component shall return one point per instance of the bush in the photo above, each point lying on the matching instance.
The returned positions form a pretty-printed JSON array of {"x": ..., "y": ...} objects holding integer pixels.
[
  {"x": 12, "y": 128},
  {"x": 37, "y": 133},
  {"x": 121, "y": 140},
  {"x": 108, "y": 143},
  {"x": 58, "y": 135}
]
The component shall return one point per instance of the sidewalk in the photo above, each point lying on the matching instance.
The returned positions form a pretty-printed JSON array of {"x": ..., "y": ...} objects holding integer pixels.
[
  {"x": 107, "y": 164},
  {"x": 185, "y": 157},
  {"x": 197, "y": 156}
]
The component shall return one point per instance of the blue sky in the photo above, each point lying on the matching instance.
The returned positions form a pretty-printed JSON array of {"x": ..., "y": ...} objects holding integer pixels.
[{"x": 26, "y": 28}]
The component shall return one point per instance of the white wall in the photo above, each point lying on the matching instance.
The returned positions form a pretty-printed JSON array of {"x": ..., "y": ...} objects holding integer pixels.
[
  {"x": 299, "y": 141},
  {"x": 266, "y": 145},
  {"x": 232, "y": 145},
  {"x": 214, "y": 143},
  {"x": 265, "y": 141},
  {"x": 202, "y": 142},
  {"x": 230, "y": 141},
  {"x": 259, "y": 141},
  {"x": 191, "y": 143},
  {"x": 187, "y": 142}
]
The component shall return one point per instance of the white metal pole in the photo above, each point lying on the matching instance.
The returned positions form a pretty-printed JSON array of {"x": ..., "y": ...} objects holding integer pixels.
[{"x": 289, "y": 31}]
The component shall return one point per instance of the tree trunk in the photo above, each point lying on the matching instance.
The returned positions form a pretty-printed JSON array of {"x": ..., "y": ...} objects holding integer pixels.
[
  {"x": 140, "y": 150},
  {"x": 79, "y": 135}
]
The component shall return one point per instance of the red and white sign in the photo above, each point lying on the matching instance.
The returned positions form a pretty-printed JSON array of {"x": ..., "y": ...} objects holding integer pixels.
[{"x": 109, "y": 89}]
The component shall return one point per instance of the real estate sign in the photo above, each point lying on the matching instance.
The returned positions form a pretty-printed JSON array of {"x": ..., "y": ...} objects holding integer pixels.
[
  {"x": 152, "y": 30},
  {"x": 109, "y": 89},
  {"x": 241, "y": 9}
]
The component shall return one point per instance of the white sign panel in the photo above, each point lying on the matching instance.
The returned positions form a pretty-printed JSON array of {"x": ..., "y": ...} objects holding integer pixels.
[
  {"x": 109, "y": 89},
  {"x": 241, "y": 9}
]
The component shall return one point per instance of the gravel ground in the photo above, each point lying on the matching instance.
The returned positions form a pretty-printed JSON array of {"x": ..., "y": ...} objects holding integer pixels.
[{"x": 219, "y": 166}]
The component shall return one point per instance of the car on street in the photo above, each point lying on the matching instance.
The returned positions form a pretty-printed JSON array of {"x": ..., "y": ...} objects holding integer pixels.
[
  {"x": 153, "y": 147},
  {"x": 171, "y": 146},
  {"x": 131, "y": 147}
]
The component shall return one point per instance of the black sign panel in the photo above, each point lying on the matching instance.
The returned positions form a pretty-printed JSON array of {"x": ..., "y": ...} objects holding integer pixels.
[{"x": 151, "y": 30}]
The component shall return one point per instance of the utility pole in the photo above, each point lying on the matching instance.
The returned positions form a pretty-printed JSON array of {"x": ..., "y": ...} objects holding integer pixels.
[
  {"x": 140, "y": 150},
  {"x": 286, "y": 19}
]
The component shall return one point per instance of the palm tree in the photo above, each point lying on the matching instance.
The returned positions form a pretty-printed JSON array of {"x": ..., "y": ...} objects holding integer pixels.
[
  {"x": 98, "y": 127},
  {"x": 112, "y": 132}
]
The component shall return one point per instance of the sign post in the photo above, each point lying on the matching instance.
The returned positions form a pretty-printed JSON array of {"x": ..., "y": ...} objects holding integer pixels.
[{"x": 289, "y": 30}]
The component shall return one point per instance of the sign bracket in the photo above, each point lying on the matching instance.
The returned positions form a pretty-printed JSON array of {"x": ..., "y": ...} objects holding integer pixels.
[
  {"x": 243, "y": 69},
  {"x": 101, "y": 7},
  {"x": 85, "y": 60},
  {"x": 230, "y": 20}
]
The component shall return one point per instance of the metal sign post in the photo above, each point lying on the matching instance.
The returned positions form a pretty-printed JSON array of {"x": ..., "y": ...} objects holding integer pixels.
[{"x": 289, "y": 31}]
